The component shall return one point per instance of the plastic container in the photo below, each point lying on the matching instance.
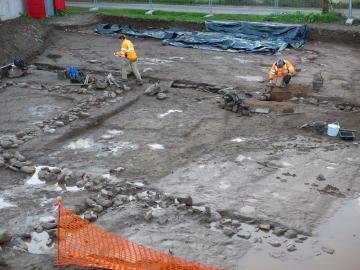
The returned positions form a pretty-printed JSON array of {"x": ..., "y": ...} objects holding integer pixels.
[
  {"x": 347, "y": 134},
  {"x": 36, "y": 8},
  {"x": 333, "y": 129},
  {"x": 59, "y": 4}
]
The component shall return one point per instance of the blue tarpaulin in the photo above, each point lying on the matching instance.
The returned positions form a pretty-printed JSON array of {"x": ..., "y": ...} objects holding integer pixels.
[{"x": 233, "y": 36}]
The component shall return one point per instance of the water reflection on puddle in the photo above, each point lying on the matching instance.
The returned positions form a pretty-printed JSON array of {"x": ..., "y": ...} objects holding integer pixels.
[
  {"x": 38, "y": 243},
  {"x": 4, "y": 204},
  {"x": 341, "y": 233}
]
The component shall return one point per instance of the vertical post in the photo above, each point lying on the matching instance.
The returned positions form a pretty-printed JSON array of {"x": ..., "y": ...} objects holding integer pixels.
[
  {"x": 350, "y": 10},
  {"x": 350, "y": 18},
  {"x": 210, "y": 13},
  {"x": 276, "y": 7},
  {"x": 151, "y": 4}
]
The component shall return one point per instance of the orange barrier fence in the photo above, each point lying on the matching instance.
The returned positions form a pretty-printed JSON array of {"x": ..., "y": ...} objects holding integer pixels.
[{"x": 85, "y": 244}]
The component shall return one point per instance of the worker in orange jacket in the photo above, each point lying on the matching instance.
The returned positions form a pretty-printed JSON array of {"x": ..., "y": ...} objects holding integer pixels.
[
  {"x": 129, "y": 57},
  {"x": 282, "y": 71}
]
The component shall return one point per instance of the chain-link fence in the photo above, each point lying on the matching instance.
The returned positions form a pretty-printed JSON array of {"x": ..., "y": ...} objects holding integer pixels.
[{"x": 346, "y": 7}]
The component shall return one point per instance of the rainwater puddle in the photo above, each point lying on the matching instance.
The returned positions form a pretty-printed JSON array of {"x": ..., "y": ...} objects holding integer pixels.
[
  {"x": 155, "y": 61},
  {"x": 65, "y": 188},
  {"x": 156, "y": 146},
  {"x": 43, "y": 110},
  {"x": 224, "y": 185},
  {"x": 241, "y": 158},
  {"x": 81, "y": 144},
  {"x": 34, "y": 179},
  {"x": 168, "y": 112},
  {"x": 242, "y": 61},
  {"x": 251, "y": 78},
  {"x": 121, "y": 146},
  {"x": 176, "y": 58},
  {"x": 238, "y": 140},
  {"x": 37, "y": 244},
  {"x": 341, "y": 233},
  {"x": 115, "y": 132},
  {"x": 4, "y": 204}
]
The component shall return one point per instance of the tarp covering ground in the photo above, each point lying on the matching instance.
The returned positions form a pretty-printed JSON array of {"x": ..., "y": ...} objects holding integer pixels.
[{"x": 233, "y": 36}]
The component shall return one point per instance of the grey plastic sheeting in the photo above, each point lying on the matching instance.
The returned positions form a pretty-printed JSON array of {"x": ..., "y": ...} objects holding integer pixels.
[{"x": 233, "y": 36}]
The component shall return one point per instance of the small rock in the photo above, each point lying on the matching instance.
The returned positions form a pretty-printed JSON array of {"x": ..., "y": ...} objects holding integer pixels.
[
  {"x": 5, "y": 236},
  {"x": 39, "y": 229},
  {"x": 290, "y": 234},
  {"x": 104, "y": 203},
  {"x": 89, "y": 202},
  {"x": 19, "y": 157},
  {"x": 23, "y": 84},
  {"x": 152, "y": 90},
  {"x": 265, "y": 227},
  {"x": 274, "y": 243},
  {"x": 28, "y": 169},
  {"x": 7, "y": 156},
  {"x": 214, "y": 216},
  {"x": 48, "y": 225},
  {"x": 36, "y": 86},
  {"x": 50, "y": 177},
  {"x": 320, "y": 177},
  {"x": 302, "y": 237},
  {"x": 84, "y": 114},
  {"x": 258, "y": 240},
  {"x": 229, "y": 231},
  {"x": 101, "y": 84},
  {"x": 117, "y": 170},
  {"x": 244, "y": 235},
  {"x": 148, "y": 216},
  {"x": 161, "y": 96},
  {"x": 15, "y": 73},
  {"x": 328, "y": 250},
  {"x": 106, "y": 193},
  {"x": 2, "y": 163},
  {"x": 6, "y": 144},
  {"x": 59, "y": 123},
  {"x": 25, "y": 236},
  {"x": 20, "y": 134},
  {"x": 98, "y": 208},
  {"x": 188, "y": 201},
  {"x": 291, "y": 247},
  {"x": 55, "y": 170},
  {"x": 90, "y": 216}
]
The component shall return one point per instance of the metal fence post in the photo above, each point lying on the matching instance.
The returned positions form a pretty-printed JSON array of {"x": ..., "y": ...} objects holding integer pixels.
[
  {"x": 276, "y": 7},
  {"x": 350, "y": 18},
  {"x": 210, "y": 9}
]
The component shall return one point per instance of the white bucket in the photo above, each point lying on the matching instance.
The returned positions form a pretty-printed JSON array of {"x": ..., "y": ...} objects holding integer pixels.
[{"x": 333, "y": 129}]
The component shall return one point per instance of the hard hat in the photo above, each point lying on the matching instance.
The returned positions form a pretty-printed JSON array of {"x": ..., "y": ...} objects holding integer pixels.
[{"x": 280, "y": 62}]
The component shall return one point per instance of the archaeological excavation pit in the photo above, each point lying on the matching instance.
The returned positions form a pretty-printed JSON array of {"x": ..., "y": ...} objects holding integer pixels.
[{"x": 181, "y": 174}]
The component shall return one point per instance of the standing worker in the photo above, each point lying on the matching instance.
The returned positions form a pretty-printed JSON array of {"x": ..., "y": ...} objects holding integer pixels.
[
  {"x": 282, "y": 70},
  {"x": 128, "y": 55}
]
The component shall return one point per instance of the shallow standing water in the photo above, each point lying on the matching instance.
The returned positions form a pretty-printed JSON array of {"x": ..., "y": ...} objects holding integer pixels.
[{"x": 341, "y": 233}]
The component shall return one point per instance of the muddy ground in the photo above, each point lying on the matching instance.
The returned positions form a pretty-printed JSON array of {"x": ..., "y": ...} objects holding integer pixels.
[{"x": 195, "y": 180}]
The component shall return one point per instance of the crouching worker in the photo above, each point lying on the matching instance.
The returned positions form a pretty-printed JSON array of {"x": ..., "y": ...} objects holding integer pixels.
[
  {"x": 128, "y": 57},
  {"x": 281, "y": 71}
]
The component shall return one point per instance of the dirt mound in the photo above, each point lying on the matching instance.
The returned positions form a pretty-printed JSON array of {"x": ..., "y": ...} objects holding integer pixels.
[{"x": 21, "y": 37}]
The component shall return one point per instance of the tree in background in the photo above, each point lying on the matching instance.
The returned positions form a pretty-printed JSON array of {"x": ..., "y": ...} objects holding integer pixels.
[{"x": 325, "y": 7}]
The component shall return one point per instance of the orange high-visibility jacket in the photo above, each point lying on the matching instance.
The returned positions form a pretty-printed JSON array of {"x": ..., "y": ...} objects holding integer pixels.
[
  {"x": 280, "y": 71},
  {"x": 127, "y": 50}
]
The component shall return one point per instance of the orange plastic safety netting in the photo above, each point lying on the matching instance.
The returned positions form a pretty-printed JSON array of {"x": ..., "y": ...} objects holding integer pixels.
[{"x": 85, "y": 244}]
